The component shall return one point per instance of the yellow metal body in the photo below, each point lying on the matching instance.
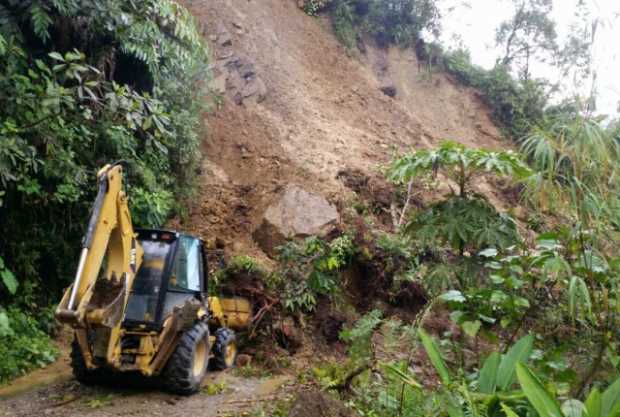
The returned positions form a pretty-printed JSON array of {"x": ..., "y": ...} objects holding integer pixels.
[
  {"x": 95, "y": 304},
  {"x": 233, "y": 312},
  {"x": 98, "y": 302}
]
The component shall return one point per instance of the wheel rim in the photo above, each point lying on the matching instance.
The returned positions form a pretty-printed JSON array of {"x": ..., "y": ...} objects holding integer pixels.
[
  {"x": 200, "y": 358},
  {"x": 231, "y": 354}
]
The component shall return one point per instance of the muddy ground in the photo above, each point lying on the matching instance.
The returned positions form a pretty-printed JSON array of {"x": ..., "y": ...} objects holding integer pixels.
[{"x": 224, "y": 394}]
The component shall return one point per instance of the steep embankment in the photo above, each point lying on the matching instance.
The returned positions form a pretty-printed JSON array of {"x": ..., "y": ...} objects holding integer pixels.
[{"x": 296, "y": 108}]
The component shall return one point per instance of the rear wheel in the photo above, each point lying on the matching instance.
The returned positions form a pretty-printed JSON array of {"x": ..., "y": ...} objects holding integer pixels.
[
  {"x": 224, "y": 349},
  {"x": 187, "y": 366}
]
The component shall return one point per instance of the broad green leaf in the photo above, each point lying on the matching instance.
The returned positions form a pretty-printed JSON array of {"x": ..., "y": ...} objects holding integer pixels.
[
  {"x": 487, "y": 380},
  {"x": 536, "y": 393},
  {"x": 578, "y": 292},
  {"x": 434, "y": 355},
  {"x": 488, "y": 253},
  {"x": 508, "y": 411},
  {"x": 471, "y": 327},
  {"x": 573, "y": 408},
  {"x": 593, "y": 403},
  {"x": 610, "y": 398},
  {"x": 615, "y": 412},
  {"x": 453, "y": 296},
  {"x": 5, "y": 326},
  {"x": 9, "y": 280},
  {"x": 57, "y": 56},
  {"x": 520, "y": 352}
]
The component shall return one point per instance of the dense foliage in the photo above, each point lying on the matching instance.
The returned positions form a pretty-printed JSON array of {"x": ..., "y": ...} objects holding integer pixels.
[
  {"x": 84, "y": 83},
  {"x": 25, "y": 344},
  {"x": 397, "y": 22}
]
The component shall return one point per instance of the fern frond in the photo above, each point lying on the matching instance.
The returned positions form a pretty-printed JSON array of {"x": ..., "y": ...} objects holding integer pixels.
[{"x": 40, "y": 20}]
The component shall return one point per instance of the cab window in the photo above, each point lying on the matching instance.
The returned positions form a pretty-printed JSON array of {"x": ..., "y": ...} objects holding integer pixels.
[{"x": 187, "y": 266}]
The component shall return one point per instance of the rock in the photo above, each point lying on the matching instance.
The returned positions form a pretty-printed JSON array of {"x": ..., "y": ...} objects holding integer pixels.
[
  {"x": 224, "y": 37},
  {"x": 255, "y": 87},
  {"x": 389, "y": 91},
  {"x": 317, "y": 404},
  {"x": 218, "y": 84},
  {"x": 243, "y": 360},
  {"x": 295, "y": 214},
  {"x": 289, "y": 335},
  {"x": 243, "y": 82}
]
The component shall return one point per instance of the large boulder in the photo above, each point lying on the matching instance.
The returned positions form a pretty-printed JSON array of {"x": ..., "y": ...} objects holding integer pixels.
[{"x": 295, "y": 214}]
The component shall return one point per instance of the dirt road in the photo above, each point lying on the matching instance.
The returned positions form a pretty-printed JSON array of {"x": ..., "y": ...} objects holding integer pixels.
[{"x": 224, "y": 394}]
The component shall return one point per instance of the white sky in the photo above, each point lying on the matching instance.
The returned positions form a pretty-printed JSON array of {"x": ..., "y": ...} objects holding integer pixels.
[{"x": 475, "y": 21}]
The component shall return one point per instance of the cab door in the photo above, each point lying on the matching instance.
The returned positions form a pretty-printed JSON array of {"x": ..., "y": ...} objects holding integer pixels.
[{"x": 185, "y": 278}]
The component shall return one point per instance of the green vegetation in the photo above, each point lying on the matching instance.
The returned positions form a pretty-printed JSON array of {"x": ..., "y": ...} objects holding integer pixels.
[
  {"x": 388, "y": 21},
  {"x": 464, "y": 220},
  {"x": 87, "y": 82},
  {"x": 517, "y": 105},
  {"x": 25, "y": 344},
  {"x": 310, "y": 269}
]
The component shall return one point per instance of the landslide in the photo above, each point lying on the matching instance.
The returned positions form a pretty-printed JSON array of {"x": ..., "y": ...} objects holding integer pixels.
[{"x": 295, "y": 107}]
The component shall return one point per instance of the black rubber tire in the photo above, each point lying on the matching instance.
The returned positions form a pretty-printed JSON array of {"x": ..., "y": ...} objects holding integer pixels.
[
  {"x": 224, "y": 337},
  {"x": 82, "y": 373},
  {"x": 178, "y": 374}
]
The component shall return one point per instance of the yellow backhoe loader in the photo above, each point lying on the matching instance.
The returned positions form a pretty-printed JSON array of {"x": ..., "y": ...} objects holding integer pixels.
[{"x": 139, "y": 302}]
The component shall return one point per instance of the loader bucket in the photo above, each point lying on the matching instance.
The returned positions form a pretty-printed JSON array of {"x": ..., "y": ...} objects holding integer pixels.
[{"x": 107, "y": 304}]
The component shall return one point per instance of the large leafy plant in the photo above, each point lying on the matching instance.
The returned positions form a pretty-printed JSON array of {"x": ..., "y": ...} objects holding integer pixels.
[{"x": 464, "y": 218}]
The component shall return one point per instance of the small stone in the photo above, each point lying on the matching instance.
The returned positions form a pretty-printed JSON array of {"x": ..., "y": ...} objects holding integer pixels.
[
  {"x": 218, "y": 84},
  {"x": 389, "y": 91},
  {"x": 243, "y": 360}
]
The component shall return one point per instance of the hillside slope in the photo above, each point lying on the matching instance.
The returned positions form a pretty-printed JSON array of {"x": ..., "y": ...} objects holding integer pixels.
[{"x": 296, "y": 108}]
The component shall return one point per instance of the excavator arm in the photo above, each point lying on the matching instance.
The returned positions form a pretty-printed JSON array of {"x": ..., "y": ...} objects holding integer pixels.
[{"x": 95, "y": 304}]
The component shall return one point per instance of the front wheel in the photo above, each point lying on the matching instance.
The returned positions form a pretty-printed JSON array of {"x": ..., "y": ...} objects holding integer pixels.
[
  {"x": 187, "y": 366},
  {"x": 224, "y": 349}
]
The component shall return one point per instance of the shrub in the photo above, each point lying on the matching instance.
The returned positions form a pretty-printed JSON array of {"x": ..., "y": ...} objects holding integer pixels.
[
  {"x": 24, "y": 345},
  {"x": 463, "y": 219},
  {"x": 398, "y": 22},
  {"x": 311, "y": 269}
]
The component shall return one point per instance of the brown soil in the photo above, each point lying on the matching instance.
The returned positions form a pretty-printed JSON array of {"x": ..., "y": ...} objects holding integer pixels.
[{"x": 323, "y": 113}]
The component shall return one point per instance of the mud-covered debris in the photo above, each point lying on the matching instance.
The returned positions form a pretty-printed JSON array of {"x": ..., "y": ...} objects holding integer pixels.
[
  {"x": 288, "y": 334},
  {"x": 374, "y": 189},
  {"x": 318, "y": 404},
  {"x": 243, "y": 360}
]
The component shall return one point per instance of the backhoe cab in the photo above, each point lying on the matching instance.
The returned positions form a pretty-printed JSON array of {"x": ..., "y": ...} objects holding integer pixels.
[{"x": 147, "y": 310}]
